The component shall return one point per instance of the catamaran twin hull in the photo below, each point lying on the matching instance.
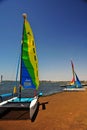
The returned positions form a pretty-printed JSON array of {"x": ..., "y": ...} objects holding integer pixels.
[
  {"x": 74, "y": 89},
  {"x": 30, "y": 106}
]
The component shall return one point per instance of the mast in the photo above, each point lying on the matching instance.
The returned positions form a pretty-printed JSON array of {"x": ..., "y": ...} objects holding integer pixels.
[{"x": 20, "y": 86}]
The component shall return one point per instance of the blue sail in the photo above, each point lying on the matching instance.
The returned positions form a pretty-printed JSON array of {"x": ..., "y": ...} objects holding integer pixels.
[
  {"x": 26, "y": 78},
  {"x": 77, "y": 82}
]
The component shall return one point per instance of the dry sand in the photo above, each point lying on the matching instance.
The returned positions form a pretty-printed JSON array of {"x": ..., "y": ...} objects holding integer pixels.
[{"x": 62, "y": 111}]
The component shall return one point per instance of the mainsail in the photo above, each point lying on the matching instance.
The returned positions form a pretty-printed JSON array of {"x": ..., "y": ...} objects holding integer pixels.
[
  {"x": 73, "y": 72},
  {"x": 75, "y": 81},
  {"x": 29, "y": 62}
]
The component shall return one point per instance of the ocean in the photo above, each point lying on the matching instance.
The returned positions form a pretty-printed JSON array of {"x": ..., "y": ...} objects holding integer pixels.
[{"x": 46, "y": 88}]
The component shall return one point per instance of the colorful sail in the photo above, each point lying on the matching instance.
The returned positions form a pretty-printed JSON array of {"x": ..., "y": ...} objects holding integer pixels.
[
  {"x": 29, "y": 62},
  {"x": 75, "y": 81},
  {"x": 72, "y": 82}
]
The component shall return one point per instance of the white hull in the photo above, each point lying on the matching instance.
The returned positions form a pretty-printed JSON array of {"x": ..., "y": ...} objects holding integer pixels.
[
  {"x": 74, "y": 89},
  {"x": 4, "y": 102},
  {"x": 33, "y": 106}
]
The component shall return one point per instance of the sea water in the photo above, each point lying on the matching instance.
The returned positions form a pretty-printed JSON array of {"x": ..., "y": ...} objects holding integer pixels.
[{"x": 46, "y": 87}]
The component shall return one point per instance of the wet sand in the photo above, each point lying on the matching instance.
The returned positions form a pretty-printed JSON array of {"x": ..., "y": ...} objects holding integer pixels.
[{"x": 62, "y": 111}]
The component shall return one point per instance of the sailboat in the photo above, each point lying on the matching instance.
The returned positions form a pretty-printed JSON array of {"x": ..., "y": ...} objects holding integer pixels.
[
  {"x": 75, "y": 84},
  {"x": 28, "y": 73}
]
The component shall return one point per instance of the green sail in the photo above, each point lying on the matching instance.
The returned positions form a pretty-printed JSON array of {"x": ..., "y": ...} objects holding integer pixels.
[{"x": 29, "y": 62}]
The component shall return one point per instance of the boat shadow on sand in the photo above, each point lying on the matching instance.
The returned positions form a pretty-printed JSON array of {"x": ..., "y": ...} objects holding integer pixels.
[
  {"x": 43, "y": 108},
  {"x": 22, "y": 114}
]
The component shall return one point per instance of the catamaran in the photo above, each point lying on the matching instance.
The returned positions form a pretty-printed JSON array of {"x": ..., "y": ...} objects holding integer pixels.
[
  {"x": 75, "y": 84},
  {"x": 28, "y": 73}
]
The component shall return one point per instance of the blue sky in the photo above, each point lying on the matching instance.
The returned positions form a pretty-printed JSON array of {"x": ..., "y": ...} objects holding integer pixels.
[{"x": 60, "y": 30}]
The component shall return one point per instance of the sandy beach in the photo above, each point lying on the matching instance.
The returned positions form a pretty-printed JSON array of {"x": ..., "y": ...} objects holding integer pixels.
[{"x": 62, "y": 111}]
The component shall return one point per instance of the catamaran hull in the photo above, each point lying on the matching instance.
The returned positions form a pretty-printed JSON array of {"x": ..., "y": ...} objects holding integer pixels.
[
  {"x": 4, "y": 102},
  {"x": 33, "y": 106},
  {"x": 74, "y": 89}
]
